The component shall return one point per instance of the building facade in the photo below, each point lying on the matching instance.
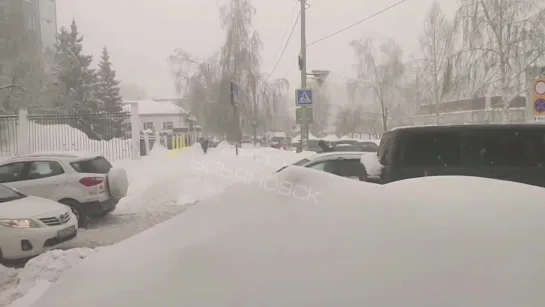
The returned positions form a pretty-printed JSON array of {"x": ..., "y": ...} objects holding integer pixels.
[
  {"x": 20, "y": 36},
  {"x": 48, "y": 23},
  {"x": 159, "y": 115}
]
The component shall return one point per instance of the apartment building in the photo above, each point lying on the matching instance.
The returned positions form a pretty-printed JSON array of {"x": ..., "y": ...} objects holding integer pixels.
[{"x": 48, "y": 22}]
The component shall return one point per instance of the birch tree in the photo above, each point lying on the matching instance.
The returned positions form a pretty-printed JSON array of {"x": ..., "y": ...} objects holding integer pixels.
[
  {"x": 436, "y": 42},
  {"x": 380, "y": 71},
  {"x": 505, "y": 37}
]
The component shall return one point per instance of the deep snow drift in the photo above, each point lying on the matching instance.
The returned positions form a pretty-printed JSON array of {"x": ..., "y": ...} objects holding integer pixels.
[
  {"x": 357, "y": 245},
  {"x": 161, "y": 186},
  {"x": 24, "y": 286}
]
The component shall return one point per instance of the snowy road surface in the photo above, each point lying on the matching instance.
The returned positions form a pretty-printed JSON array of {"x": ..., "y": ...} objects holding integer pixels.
[
  {"x": 165, "y": 184},
  {"x": 161, "y": 186}
]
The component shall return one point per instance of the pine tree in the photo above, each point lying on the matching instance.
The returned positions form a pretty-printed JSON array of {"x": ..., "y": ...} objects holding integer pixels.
[
  {"x": 108, "y": 96},
  {"x": 108, "y": 91},
  {"x": 77, "y": 82},
  {"x": 76, "y": 78}
]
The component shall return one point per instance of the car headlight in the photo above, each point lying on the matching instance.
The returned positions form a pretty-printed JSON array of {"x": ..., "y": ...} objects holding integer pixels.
[{"x": 23, "y": 223}]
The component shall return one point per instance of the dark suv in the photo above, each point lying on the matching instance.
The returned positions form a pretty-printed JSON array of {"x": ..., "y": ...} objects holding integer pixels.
[{"x": 506, "y": 152}]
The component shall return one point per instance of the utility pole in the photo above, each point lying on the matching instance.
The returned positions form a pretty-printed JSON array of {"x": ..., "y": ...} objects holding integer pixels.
[{"x": 303, "y": 68}]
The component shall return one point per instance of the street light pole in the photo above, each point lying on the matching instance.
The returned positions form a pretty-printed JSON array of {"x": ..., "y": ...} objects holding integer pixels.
[{"x": 303, "y": 67}]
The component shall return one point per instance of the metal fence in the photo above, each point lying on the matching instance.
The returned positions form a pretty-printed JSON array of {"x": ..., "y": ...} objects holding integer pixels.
[
  {"x": 8, "y": 136},
  {"x": 108, "y": 134}
]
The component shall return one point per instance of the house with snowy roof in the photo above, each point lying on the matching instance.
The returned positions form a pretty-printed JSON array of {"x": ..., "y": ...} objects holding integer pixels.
[{"x": 159, "y": 115}]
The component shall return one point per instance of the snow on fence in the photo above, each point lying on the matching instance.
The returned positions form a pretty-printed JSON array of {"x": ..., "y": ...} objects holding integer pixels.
[{"x": 107, "y": 134}]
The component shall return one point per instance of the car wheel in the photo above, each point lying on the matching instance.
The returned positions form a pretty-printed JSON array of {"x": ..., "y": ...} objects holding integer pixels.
[{"x": 83, "y": 219}]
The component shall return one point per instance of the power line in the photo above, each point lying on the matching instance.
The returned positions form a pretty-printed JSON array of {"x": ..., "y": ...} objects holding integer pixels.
[
  {"x": 286, "y": 45},
  {"x": 295, "y": 10},
  {"x": 357, "y": 23}
]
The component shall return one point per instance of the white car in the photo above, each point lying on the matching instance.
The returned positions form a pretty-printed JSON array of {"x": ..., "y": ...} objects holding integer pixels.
[
  {"x": 85, "y": 182},
  {"x": 32, "y": 225},
  {"x": 344, "y": 164}
]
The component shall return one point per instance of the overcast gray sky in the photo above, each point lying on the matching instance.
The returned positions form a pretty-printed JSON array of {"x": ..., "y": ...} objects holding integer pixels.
[{"x": 141, "y": 34}]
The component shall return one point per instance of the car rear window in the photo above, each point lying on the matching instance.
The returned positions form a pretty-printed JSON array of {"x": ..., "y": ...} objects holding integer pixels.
[{"x": 98, "y": 165}]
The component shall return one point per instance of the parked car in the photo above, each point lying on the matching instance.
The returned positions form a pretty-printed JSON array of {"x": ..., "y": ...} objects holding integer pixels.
[
  {"x": 513, "y": 152},
  {"x": 85, "y": 182},
  {"x": 32, "y": 225},
  {"x": 369, "y": 146},
  {"x": 344, "y": 164},
  {"x": 355, "y": 145}
]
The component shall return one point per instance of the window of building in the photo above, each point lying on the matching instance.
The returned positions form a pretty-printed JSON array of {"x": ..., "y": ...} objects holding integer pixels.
[
  {"x": 32, "y": 23},
  {"x": 168, "y": 126},
  {"x": 148, "y": 126}
]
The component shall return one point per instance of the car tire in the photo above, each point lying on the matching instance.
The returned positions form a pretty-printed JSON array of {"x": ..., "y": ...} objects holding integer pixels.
[{"x": 83, "y": 219}]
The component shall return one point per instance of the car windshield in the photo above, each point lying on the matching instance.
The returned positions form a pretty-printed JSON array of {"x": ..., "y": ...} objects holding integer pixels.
[
  {"x": 301, "y": 162},
  {"x": 278, "y": 139},
  {"x": 7, "y": 194},
  {"x": 369, "y": 147},
  {"x": 347, "y": 148},
  {"x": 313, "y": 144}
]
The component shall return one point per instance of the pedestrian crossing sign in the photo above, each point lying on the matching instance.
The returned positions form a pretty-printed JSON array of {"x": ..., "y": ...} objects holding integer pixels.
[{"x": 303, "y": 97}]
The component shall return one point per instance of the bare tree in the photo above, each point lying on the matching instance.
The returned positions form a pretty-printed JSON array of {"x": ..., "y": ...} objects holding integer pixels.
[
  {"x": 206, "y": 82},
  {"x": 436, "y": 42},
  {"x": 379, "y": 71},
  {"x": 200, "y": 83},
  {"x": 504, "y": 38}
]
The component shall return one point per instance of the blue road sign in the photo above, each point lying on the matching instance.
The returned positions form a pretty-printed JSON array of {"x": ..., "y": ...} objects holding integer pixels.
[{"x": 303, "y": 97}]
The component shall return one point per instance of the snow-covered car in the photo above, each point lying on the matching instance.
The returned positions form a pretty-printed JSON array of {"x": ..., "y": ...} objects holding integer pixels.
[
  {"x": 32, "y": 225},
  {"x": 420, "y": 243},
  {"x": 344, "y": 164},
  {"x": 85, "y": 182}
]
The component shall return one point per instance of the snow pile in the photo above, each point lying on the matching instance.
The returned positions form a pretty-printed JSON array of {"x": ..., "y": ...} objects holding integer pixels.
[
  {"x": 156, "y": 180},
  {"x": 372, "y": 164},
  {"x": 212, "y": 173},
  {"x": 37, "y": 274},
  {"x": 66, "y": 138},
  {"x": 259, "y": 247}
]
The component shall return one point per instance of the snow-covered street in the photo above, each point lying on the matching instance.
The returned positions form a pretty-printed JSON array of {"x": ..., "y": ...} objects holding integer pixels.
[
  {"x": 166, "y": 183},
  {"x": 162, "y": 185}
]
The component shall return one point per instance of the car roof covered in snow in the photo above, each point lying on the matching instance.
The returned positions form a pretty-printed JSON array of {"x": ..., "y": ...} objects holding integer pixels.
[
  {"x": 325, "y": 155},
  {"x": 469, "y": 127},
  {"x": 76, "y": 155}
]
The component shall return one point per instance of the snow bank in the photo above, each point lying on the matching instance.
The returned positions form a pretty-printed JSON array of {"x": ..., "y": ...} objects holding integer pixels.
[
  {"x": 37, "y": 275},
  {"x": 66, "y": 138},
  {"x": 212, "y": 173},
  {"x": 260, "y": 247},
  {"x": 372, "y": 164}
]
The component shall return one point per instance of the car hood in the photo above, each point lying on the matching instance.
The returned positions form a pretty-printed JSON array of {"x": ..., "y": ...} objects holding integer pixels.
[{"x": 29, "y": 207}]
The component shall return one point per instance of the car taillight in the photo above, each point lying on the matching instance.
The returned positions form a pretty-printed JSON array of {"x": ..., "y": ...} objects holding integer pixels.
[{"x": 91, "y": 181}]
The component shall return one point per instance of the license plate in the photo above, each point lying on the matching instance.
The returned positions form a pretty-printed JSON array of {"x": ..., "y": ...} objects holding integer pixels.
[{"x": 67, "y": 232}]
